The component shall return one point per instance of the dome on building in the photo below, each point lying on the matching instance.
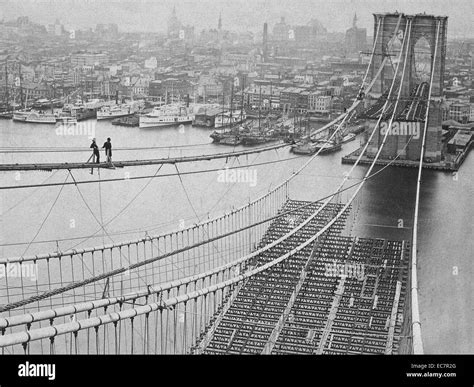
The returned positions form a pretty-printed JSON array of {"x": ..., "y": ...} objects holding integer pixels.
[{"x": 317, "y": 26}]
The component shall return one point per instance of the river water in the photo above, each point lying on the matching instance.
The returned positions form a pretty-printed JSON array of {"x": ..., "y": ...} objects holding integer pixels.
[{"x": 38, "y": 220}]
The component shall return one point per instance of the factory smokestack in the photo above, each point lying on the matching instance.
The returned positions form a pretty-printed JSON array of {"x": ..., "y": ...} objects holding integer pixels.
[{"x": 265, "y": 42}]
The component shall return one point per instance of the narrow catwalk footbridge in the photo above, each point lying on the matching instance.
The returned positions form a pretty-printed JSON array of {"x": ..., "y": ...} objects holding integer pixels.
[{"x": 274, "y": 276}]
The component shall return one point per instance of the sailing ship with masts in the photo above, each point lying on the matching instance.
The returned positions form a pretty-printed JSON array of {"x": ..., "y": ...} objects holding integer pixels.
[
  {"x": 231, "y": 136},
  {"x": 324, "y": 142},
  {"x": 253, "y": 132},
  {"x": 42, "y": 115},
  {"x": 265, "y": 108},
  {"x": 9, "y": 105}
]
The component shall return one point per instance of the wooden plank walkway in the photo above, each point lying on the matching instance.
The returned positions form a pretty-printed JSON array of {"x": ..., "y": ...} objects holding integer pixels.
[{"x": 134, "y": 163}]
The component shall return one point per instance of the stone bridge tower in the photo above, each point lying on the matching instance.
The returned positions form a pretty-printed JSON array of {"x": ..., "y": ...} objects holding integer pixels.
[
  {"x": 420, "y": 58},
  {"x": 423, "y": 27}
]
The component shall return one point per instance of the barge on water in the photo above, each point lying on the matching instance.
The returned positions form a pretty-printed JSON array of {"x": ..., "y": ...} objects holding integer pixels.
[
  {"x": 131, "y": 121},
  {"x": 307, "y": 147}
]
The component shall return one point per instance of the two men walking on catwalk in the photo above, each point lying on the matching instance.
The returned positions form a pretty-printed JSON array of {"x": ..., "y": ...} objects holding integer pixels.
[{"x": 96, "y": 154}]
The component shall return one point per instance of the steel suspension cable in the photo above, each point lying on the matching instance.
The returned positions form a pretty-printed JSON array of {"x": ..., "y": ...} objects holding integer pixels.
[
  {"x": 416, "y": 323},
  {"x": 122, "y": 210}
]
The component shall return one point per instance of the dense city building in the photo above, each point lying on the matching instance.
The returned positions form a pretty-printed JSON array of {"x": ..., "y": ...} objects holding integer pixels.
[{"x": 287, "y": 67}]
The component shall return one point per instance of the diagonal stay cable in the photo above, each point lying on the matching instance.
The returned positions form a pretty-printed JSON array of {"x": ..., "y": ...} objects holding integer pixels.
[
  {"x": 122, "y": 210},
  {"x": 98, "y": 221},
  {"x": 214, "y": 245},
  {"x": 28, "y": 196},
  {"x": 46, "y": 217}
]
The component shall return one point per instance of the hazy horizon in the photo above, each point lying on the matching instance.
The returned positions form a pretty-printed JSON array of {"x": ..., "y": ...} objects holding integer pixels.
[{"x": 152, "y": 15}]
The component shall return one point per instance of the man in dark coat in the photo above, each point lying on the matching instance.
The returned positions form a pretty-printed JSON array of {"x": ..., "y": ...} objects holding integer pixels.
[
  {"x": 108, "y": 150},
  {"x": 96, "y": 153}
]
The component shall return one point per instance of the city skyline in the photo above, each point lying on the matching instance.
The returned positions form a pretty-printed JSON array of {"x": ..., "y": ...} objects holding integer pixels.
[{"x": 243, "y": 15}]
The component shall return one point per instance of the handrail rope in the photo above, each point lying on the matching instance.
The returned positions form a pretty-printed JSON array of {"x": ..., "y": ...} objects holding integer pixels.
[{"x": 81, "y": 149}]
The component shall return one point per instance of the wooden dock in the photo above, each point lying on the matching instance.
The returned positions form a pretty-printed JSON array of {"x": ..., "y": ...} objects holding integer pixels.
[{"x": 440, "y": 166}]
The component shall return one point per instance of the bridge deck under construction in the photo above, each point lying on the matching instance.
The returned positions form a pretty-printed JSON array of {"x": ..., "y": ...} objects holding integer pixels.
[{"x": 344, "y": 295}]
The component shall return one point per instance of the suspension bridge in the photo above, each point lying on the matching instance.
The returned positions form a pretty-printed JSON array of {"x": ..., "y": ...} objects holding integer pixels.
[{"x": 274, "y": 276}]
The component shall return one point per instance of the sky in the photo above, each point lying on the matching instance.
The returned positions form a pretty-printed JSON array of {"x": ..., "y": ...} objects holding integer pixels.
[{"x": 152, "y": 15}]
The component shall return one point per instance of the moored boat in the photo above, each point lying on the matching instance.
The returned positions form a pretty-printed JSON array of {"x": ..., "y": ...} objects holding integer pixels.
[
  {"x": 168, "y": 115},
  {"x": 116, "y": 111},
  {"x": 44, "y": 103},
  {"x": 6, "y": 115},
  {"x": 254, "y": 112},
  {"x": 127, "y": 121},
  {"x": 82, "y": 113},
  {"x": 231, "y": 140},
  {"x": 348, "y": 137},
  {"x": 227, "y": 119},
  {"x": 358, "y": 129},
  {"x": 327, "y": 146},
  {"x": 256, "y": 138},
  {"x": 66, "y": 120},
  {"x": 33, "y": 116},
  {"x": 217, "y": 136},
  {"x": 304, "y": 148}
]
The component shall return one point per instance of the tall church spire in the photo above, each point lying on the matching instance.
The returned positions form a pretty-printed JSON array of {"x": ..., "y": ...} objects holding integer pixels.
[
  {"x": 354, "y": 21},
  {"x": 219, "y": 25},
  {"x": 173, "y": 24}
]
